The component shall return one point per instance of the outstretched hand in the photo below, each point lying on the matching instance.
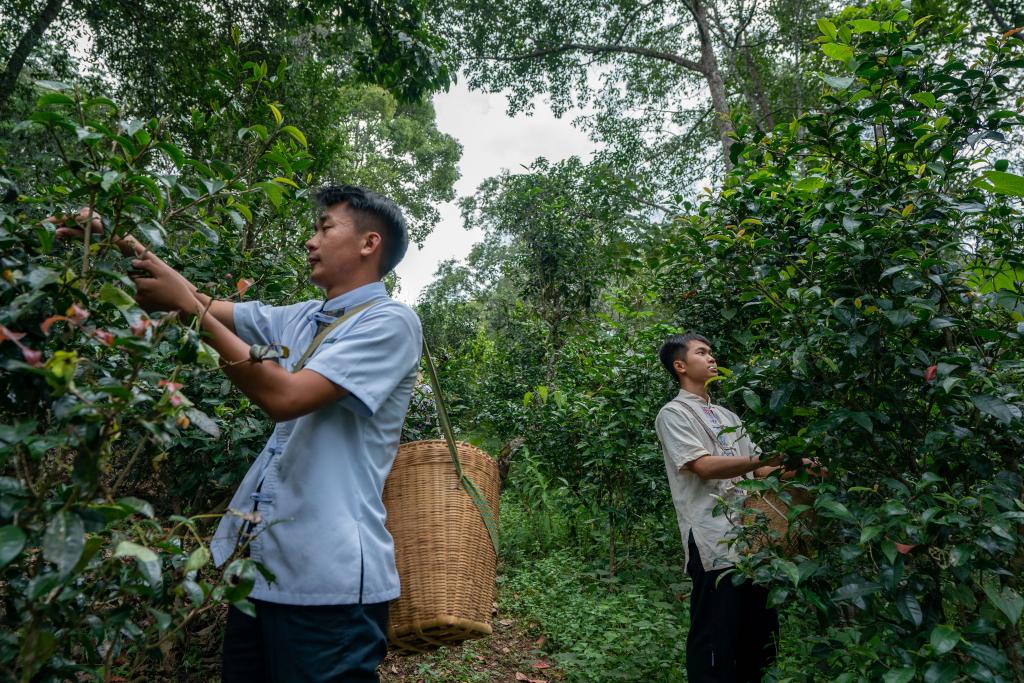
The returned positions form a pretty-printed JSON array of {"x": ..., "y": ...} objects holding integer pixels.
[
  {"x": 73, "y": 228},
  {"x": 158, "y": 286}
]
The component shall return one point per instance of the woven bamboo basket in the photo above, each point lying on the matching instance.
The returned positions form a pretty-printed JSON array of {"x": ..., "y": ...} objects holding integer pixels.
[
  {"x": 446, "y": 560},
  {"x": 790, "y": 538}
]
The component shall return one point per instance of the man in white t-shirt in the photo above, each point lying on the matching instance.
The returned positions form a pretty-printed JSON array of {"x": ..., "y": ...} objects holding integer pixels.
[{"x": 733, "y": 633}]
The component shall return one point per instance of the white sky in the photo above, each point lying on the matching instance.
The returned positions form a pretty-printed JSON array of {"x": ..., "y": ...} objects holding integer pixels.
[{"x": 491, "y": 141}]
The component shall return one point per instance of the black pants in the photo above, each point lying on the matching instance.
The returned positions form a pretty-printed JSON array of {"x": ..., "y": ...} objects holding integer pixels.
[
  {"x": 319, "y": 644},
  {"x": 733, "y": 634}
]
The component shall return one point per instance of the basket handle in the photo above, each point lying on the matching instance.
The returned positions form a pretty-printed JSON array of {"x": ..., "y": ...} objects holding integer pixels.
[{"x": 449, "y": 436}]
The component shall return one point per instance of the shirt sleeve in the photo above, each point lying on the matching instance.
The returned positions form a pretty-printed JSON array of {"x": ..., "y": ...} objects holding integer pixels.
[
  {"x": 681, "y": 438},
  {"x": 258, "y": 323},
  {"x": 371, "y": 357}
]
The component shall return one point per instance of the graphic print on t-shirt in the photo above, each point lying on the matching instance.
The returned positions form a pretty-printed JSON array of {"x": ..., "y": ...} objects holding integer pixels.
[{"x": 711, "y": 417}]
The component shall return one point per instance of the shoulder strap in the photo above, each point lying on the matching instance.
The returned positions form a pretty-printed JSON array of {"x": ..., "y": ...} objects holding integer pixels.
[
  {"x": 700, "y": 420},
  {"x": 322, "y": 334},
  {"x": 449, "y": 436}
]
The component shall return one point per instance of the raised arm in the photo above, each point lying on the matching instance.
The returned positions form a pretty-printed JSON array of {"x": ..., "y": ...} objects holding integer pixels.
[
  {"x": 73, "y": 227},
  {"x": 282, "y": 394}
]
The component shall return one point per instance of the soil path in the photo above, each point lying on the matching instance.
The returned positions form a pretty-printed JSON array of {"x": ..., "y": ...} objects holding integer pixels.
[{"x": 511, "y": 654}]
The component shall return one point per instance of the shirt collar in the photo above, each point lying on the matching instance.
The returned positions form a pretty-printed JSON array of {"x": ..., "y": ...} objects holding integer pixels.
[
  {"x": 354, "y": 297},
  {"x": 685, "y": 395}
]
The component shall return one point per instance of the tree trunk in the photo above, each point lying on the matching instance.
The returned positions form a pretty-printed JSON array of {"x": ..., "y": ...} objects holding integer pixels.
[
  {"x": 716, "y": 84},
  {"x": 28, "y": 42}
]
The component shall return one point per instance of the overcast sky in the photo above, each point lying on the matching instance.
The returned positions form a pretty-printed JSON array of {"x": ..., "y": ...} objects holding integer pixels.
[{"x": 491, "y": 141}]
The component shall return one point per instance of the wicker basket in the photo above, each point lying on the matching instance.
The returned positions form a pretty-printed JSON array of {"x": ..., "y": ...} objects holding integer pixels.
[
  {"x": 446, "y": 560},
  {"x": 791, "y": 540}
]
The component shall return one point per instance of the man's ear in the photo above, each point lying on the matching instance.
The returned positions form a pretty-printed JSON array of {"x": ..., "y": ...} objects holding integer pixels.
[
  {"x": 371, "y": 241},
  {"x": 679, "y": 366}
]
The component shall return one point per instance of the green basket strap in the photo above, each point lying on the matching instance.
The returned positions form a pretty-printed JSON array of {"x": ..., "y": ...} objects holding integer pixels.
[
  {"x": 446, "y": 427},
  {"x": 322, "y": 334}
]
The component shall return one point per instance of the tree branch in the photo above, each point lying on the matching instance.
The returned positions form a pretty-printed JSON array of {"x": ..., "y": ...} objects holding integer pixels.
[{"x": 670, "y": 57}]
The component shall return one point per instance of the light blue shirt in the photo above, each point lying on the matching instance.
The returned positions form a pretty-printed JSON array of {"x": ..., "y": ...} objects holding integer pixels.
[{"x": 321, "y": 530}]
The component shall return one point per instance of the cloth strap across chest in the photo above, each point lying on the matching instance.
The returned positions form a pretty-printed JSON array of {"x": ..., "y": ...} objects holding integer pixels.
[{"x": 325, "y": 329}]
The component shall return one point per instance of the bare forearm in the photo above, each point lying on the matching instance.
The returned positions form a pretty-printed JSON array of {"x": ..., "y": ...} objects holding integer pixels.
[
  {"x": 264, "y": 383},
  {"x": 724, "y": 466},
  {"x": 283, "y": 395},
  {"x": 223, "y": 311}
]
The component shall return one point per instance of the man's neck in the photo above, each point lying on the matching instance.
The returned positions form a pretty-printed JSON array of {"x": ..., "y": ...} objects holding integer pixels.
[
  {"x": 344, "y": 287},
  {"x": 696, "y": 388}
]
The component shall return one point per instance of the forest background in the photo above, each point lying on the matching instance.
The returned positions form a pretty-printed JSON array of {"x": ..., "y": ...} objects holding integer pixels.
[{"x": 856, "y": 258}]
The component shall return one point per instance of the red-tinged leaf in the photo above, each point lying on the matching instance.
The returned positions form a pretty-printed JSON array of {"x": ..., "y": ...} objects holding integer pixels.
[
  {"x": 540, "y": 641},
  {"x": 103, "y": 337},
  {"x": 929, "y": 374},
  {"x": 521, "y": 676},
  {"x": 6, "y": 334},
  {"x": 169, "y": 385},
  {"x": 903, "y": 548},
  {"x": 139, "y": 329},
  {"x": 76, "y": 313},
  {"x": 242, "y": 285},
  {"x": 175, "y": 399},
  {"x": 541, "y": 664},
  {"x": 48, "y": 323},
  {"x": 1013, "y": 31},
  {"x": 33, "y": 358}
]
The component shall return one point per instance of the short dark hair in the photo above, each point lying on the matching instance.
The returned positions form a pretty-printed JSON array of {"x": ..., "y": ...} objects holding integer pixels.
[
  {"x": 372, "y": 212},
  {"x": 675, "y": 348}
]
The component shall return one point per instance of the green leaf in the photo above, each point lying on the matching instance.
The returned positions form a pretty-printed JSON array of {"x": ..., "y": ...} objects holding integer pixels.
[
  {"x": 153, "y": 232},
  {"x": 838, "y": 52},
  {"x": 868, "y": 533},
  {"x": 1003, "y": 183},
  {"x": 273, "y": 192},
  {"x": 146, "y": 560},
  {"x": 827, "y": 28},
  {"x": 198, "y": 559},
  {"x": 64, "y": 541},
  {"x": 865, "y": 26},
  {"x": 138, "y": 505},
  {"x": 908, "y": 606},
  {"x": 944, "y": 638},
  {"x": 812, "y": 184},
  {"x": 838, "y": 82},
  {"x": 994, "y": 407},
  {"x": 54, "y": 98},
  {"x": 1007, "y": 600},
  {"x": 203, "y": 422},
  {"x": 296, "y": 134},
  {"x": 116, "y": 297},
  {"x": 752, "y": 400},
  {"x": 925, "y": 98},
  {"x": 899, "y": 676},
  {"x": 834, "y": 509},
  {"x": 852, "y": 591},
  {"x": 940, "y": 672},
  {"x": 12, "y": 541},
  {"x": 140, "y": 552},
  {"x": 240, "y": 577},
  {"x": 790, "y": 570}
]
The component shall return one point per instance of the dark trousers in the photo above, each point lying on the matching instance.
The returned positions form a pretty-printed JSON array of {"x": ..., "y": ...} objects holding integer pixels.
[
  {"x": 733, "y": 634},
  {"x": 319, "y": 644}
]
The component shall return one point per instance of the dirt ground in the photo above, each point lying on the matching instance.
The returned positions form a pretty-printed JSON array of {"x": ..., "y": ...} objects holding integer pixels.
[{"x": 510, "y": 654}]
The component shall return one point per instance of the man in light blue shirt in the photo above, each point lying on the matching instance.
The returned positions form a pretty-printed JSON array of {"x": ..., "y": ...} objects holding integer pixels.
[{"x": 312, "y": 499}]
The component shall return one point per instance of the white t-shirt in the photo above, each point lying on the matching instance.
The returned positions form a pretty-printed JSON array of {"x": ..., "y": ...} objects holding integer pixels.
[{"x": 685, "y": 426}]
